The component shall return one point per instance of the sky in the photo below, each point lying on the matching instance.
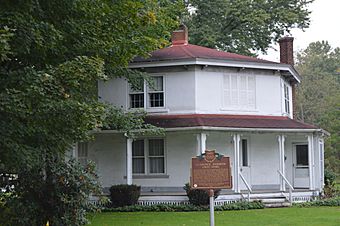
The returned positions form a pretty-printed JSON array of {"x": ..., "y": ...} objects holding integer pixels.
[{"x": 325, "y": 25}]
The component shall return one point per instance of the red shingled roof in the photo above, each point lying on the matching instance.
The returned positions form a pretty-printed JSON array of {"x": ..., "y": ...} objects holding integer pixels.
[
  {"x": 188, "y": 51},
  {"x": 232, "y": 121}
]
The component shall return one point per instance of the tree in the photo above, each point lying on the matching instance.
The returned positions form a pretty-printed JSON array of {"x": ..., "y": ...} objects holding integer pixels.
[
  {"x": 318, "y": 96},
  {"x": 244, "y": 26},
  {"x": 52, "y": 53}
]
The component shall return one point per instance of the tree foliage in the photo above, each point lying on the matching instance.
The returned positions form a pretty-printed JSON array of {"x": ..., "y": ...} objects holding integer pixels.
[
  {"x": 52, "y": 53},
  {"x": 244, "y": 26},
  {"x": 318, "y": 96}
]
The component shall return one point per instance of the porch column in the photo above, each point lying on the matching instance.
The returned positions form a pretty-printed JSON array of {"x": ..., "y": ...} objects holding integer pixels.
[
  {"x": 236, "y": 163},
  {"x": 129, "y": 161},
  {"x": 201, "y": 143},
  {"x": 281, "y": 141},
  {"x": 311, "y": 161}
]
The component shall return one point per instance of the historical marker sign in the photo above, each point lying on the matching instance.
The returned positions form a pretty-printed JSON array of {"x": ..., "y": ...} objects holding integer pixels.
[{"x": 210, "y": 171}]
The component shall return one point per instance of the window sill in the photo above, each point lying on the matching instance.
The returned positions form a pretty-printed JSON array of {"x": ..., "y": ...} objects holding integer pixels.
[
  {"x": 239, "y": 109},
  {"x": 157, "y": 176},
  {"x": 157, "y": 110},
  {"x": 150, "y": 110}
]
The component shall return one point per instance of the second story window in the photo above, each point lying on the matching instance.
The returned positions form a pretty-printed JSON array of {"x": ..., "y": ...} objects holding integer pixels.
[
  {"x": 239, "y": 91},
  {"x": 286, "y": 98},
  {"x": 137, "y": 96},
  {"x": 150, "y": 96},
  {"x": 156, "y": 92}
]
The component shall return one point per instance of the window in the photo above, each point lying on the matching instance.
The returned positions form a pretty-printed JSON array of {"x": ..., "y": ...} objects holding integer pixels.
[
  {"x": 302, "y": 155},
  {"x": 153, "y": 95},
  {"x": 286, "y": 98},
  {"x": 244, "y": 154},
  {"x": 148, "y": 156},
  {"x": 137, "y": 96},
  {"x": 82, "y": 153},
  {"x": 239, "y": 91},
  {"x": 156, "y": 92}
]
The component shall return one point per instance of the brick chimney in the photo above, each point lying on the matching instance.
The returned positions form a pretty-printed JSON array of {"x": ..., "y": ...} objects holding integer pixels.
[
  {"x": 287, "y": 57},
  {"x": 286, "y": 50},
  {"x": 180, "y": 36}
]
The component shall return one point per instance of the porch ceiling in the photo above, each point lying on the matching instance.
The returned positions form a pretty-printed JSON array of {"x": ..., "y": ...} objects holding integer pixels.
[{"x": 229, "y": 121}]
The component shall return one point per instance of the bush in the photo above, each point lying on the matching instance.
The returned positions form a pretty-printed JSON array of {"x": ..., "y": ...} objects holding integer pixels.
[
  {"x": 198, "y": 197},
  {"x": 323, "y": 202},
  {"x": 243, "y": 205},
  {"x": 329, "y": 177},
  {"x": 124, "y": 195}
]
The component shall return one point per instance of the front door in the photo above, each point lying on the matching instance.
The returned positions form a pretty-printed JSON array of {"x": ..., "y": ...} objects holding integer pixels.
[
  {"x": 245, "y": 163},
  {"x": 300, "y": 166}
]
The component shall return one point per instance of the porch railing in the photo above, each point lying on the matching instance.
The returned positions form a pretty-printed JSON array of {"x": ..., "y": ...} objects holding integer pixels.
[
  {"x": 247, "y": 185},
  {"x": 289, "y": 185}
]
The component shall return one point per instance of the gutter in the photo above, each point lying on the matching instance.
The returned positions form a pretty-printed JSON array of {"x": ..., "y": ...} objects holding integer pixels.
[{"x": 232, "y": 129}]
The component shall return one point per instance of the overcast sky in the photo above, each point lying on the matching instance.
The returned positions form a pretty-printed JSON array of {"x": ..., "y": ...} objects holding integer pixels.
[{"x": 325, "y": 25}]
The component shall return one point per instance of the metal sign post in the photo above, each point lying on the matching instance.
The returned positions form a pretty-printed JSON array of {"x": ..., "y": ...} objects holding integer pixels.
[{"x": 212, "y": 207}]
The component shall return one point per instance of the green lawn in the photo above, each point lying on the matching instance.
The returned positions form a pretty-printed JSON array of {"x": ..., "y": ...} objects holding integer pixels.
[{"x": 320, "y": 216}]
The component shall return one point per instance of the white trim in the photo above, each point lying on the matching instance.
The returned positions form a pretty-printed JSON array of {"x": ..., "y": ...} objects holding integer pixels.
[{"x": 223, "y": 63}]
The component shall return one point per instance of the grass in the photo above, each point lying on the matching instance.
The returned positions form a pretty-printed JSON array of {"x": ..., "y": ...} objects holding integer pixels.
[{"x": 324, "y": 216}]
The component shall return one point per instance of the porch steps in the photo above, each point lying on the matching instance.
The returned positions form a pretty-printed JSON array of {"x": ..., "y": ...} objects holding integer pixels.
[{"x": 275, "y": 202}]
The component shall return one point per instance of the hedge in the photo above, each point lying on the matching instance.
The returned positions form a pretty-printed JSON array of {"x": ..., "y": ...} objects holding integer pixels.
[{"x": 242, "y": 205}]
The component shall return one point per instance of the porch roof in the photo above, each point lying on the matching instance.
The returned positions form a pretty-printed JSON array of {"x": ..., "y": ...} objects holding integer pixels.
[{"x": 230, "y": 121}]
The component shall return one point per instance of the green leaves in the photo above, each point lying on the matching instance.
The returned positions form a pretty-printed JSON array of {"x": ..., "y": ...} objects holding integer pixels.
[
  {"x": 318, "y": 96},
  {"x": 52, "y": 54},
  {"x": 244, "y": 26}
]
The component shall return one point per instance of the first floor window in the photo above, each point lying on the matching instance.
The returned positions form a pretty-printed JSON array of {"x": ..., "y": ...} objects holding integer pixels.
[
  {"x": 148, "y": 156},
  {"x": 82, "y": 153}
]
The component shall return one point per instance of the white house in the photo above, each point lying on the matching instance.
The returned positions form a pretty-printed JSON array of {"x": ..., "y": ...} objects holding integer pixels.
[{"x": 240, "y": 106}]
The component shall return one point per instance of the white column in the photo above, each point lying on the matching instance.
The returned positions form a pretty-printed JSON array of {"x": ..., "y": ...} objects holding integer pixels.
[
  {"x": 201, "y": 143},
  {"x": 129, "y": 160},
  {"x": 281, "y": 141},
  {"x": 311, "y": 161},
  {"x": 236, "y": 164}
]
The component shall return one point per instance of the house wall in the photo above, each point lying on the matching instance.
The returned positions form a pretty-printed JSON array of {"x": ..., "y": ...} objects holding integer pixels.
[
  {"x": 108, "y": 151},
  {"x": 200, "y": 90},
  {"x": 209, "y": 92}
]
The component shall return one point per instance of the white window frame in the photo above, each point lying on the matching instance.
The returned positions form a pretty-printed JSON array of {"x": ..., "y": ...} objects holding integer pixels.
[
  {"x": 146, "y": 95},
  {"x": 250, "y": 94},
  {"x": 83, "y": 159},
  {"x": 286, "y": 98},
  {"x": 147, "y": 156}
]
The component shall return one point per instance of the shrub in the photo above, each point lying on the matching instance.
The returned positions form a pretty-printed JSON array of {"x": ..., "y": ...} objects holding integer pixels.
[
  {"x": 323, "y": 202},
  {"x": 329, "y": 177},
  {"x": 243, "y": 205},
  {"x": 198, "y": 197},
  {"x": 124, "y": 195}
]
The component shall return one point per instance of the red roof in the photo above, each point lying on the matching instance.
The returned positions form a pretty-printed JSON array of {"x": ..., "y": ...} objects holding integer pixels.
[
  {"x": 232, "y": 121},
  {"x": 188, "y": 51}
]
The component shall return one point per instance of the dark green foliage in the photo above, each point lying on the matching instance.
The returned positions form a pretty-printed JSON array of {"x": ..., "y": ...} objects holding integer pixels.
[
  {"x": 329, "y": 177},
  {"x": 61, "y": 198},
  {"x": 124, "y": 195},
  {"x": 318, "y": 95},
  {"x": 244, "y": 26},
  {"x": 323, "y": 202},
  {"x": 243, "y": 205},
  {"x": 52, "y": 54},
  {"x": 198, "y": 197}
]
